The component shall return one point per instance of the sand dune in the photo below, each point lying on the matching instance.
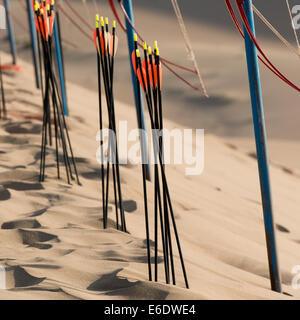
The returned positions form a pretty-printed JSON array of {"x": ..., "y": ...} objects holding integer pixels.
[{"x": 52, "y": 242}]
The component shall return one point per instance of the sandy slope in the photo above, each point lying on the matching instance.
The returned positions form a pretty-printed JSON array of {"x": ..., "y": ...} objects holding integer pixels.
[{"x": 52, "y": 242}]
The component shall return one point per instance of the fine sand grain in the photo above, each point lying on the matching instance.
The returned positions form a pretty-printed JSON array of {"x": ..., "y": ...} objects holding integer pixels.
[{"x": 52, "y": 242}]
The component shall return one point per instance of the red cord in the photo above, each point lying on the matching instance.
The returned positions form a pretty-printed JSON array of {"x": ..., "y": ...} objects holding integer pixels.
[
  {"x": 252, "y": 36},
  {"x": 74, "y": 23},
  {"x": 263, "y": 58},
  {"x": 236, "y": 22},
  {"x": 78, "y": 15}
]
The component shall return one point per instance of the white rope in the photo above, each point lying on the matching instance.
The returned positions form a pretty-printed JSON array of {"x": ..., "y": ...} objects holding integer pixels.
[
  {"x": 293, "y": 26},
  {"x": 188, "y": 45},
  {"x": 279, "y": 36}
]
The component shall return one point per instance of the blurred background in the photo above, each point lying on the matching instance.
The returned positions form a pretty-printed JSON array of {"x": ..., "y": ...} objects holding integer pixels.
[{"x": 220, "y": 54}]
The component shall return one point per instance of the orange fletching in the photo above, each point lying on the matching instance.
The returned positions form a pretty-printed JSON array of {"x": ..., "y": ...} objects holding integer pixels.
[
  {"x": 160, "y": 76},
  {"x": 149, "y": 71},
  {"x": 95, "y": 39},
  {"x": 41, "y": 26},
  {"x": 51, "y": 22},
  {"x": 150, "y": 75},
  {"x": 133, "y": 58},
  {"x": 102, "y": 41},
  {"x": 37, "y": 25},
  {"x": 45, "y": 25},
  {"x": 144, "y": 75},
  {"x": 155, "y": 74}
]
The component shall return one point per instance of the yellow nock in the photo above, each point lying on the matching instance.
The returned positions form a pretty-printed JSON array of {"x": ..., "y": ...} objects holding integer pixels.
[
  {"x": 145, "y": 46},
  {"x": 137, "y": 53},
  {"x": 106, "y": 20},
  {"x": 149, "y": 50},
  {"x": 97, "y": 21},
  {"x": 155, "y": 45},
  {"x": 53, "y": 2},
  {"x": 48, "y": 7},
  {"x": 135, "y": 37},
  {"x": 102, "y": 22},
  {"x": 114, "y": 24},
  {"x": 36, "y": 6}
]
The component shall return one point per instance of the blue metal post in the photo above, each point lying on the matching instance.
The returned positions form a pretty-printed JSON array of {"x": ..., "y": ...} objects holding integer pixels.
[
  {"x": 130, "y": 33},
  {"x": 12, "y": 42},
  {"x": 261, "y": 149},
  {"x": 33, "y": 43},
  {"x": 60, "y": 67}
]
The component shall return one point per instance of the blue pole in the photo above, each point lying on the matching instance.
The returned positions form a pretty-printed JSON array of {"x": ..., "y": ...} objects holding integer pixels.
[
  {"x": 33, "y": 42},
  {"x": 261, "y": 149},
  {"x": 60, "y": 67},
  {"x": 130, "y": 33},
  {"x": 12, "y": 42}
]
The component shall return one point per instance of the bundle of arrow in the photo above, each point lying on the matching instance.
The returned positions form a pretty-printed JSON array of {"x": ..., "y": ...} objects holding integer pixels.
[
  {"x": 106, "y": 47},
  {"x": 52, "y": 100},
  {"x": 149, "y": 78}
]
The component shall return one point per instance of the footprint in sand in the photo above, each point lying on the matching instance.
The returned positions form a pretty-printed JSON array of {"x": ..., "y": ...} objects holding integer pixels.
[
  {"x": 19, "y": 174},
  {"x": 25, "y": 223},
  {"x": 4, "y": 194},
  {"x": 24, "y": 127},
  {"x": 14, "y": 140},
  {"x": 95, "y": 174},
  {"x": 18, "y": 277},
  {"x": 111, "y": 281},
  {"x": 22, "y": 186},
  {"x": 130, "y": 206},
  {"x": 115, "y": 285},
  {"x": 282, "y": 228},
  {"x": 38, "y": 212},
  {"x": 36, "y": 239}
]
